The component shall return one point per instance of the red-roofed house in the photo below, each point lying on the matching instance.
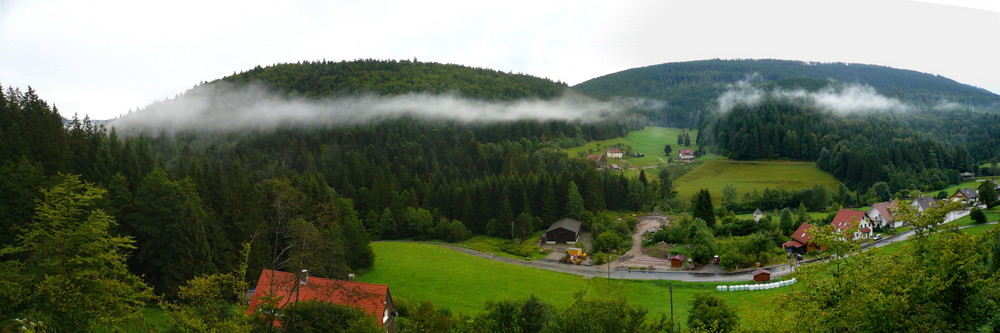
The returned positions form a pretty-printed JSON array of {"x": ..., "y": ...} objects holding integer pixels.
[
  {"x": 685, "y": 155},
  {"x": 614, "y": 153},
  {"x": 285, "y": 288},
  {"x": 801, "y": 241},
  {"x": 882, "y": 217},
  {"x": 847, "y": 219}
]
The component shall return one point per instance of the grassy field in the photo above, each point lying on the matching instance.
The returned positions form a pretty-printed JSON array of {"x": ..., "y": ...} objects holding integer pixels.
[
  {"x": 748, "y": 176},
  {"x": 649, "y": 141},
  {"x": 463, "y": 283}
]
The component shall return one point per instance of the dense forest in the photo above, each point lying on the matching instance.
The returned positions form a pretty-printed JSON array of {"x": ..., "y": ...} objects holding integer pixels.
[{"x": 311, "y": 197}]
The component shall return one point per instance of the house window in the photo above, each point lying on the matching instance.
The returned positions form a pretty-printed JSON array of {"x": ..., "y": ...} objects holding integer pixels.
[{"x": 385, "y": 316}]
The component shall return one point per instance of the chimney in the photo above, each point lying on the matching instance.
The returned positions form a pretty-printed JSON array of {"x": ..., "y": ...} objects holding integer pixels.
[
  {"x": 305, "y": 276},
  {"x": 350, "y": 277}
]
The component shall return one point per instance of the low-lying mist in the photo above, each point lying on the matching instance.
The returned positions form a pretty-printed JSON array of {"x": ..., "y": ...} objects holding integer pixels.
[
  {"x": 225, "y": 107},
  {"x": 841, "y": 99}
]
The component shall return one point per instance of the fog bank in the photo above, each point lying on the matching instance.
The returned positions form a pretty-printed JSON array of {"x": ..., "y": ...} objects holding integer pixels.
[{"x": 225, "y": 107}]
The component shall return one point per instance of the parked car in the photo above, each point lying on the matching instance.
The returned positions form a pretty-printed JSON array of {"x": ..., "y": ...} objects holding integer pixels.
[{"x": 877, "y": 237}]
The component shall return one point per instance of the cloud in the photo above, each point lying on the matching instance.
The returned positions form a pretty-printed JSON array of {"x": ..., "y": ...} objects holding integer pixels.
[
  {"x": 840, "y": 99},
  {"x": 224, "y": 107}
]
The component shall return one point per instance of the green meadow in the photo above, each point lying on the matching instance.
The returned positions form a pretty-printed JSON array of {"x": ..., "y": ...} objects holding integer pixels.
[
  {"x": 464, "y": 283},
  {"x": 649, "y": 141},
  {"x": 748, "y": 176}
]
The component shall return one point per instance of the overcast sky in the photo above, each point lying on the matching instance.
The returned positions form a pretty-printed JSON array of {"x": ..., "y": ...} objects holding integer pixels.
[{"x": 104, "y": 58}]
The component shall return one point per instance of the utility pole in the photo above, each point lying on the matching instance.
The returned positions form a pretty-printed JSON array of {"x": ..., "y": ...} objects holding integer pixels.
[{"x": 672, "y": 307}]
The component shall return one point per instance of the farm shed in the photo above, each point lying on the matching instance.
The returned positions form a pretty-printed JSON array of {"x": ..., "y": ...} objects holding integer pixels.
[
  {"x": 566, "y": 230},
  {"x": 761, "y": 275},
  {"x": 678, "y": 260}
]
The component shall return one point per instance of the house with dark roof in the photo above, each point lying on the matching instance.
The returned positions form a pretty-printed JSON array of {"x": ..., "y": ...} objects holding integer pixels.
[
  {"x": 565, "y": 231},
  {"x": 801, "y": 240},
  {"x": 598, "y": 159},
  {"x": 614, "y": 153},
  {"x": 967, "y": 196},
  {"x": 848, "y": 219},
  {"x": 277, "y": 289},
  {"x": 685, "y": 155},
  {"x": 881, "y": 215},
  {"x": 922, "y": 203}
]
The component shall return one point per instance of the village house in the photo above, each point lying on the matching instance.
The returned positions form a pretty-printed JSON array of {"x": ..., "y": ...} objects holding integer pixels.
[
  {"x": 847, "y": 219},
  {"x": 686, "y": 155},
  {"x": 881, "y": 215},
  {"x": 801, "y": 240},
  {"x": 967, "y": 196},
  {"x": 614, "y": 153},
  {"x": 922, "y": 203},
  {"x": 757, "y": 215},
  {"x": 598, "y": 159},
  {"x": 284, "y": 288}
]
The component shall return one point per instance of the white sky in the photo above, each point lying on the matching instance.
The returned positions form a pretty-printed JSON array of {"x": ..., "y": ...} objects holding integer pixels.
[{"x": 104, "y": 58}]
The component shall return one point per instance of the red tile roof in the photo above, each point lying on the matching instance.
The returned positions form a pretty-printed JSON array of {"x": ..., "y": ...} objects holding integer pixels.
[
  {"x": 792, "y": 243},
  {"x": 686, "y": 152},
  {"x": 802, "y": 233},
  {"x": 614, "y": 150},
  {"x": 282, "y": 286},
  {"x": 846, "y": 218},
  {"x": 866, "y": 230}
]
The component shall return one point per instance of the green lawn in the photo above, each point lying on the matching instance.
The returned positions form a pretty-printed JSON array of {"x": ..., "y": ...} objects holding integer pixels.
[
  {"x": 463, "y": 283},
  {"x": 649, "y": 141},
  {"x": 991, "y": 216},
  {"x": 748, "y": 176}
]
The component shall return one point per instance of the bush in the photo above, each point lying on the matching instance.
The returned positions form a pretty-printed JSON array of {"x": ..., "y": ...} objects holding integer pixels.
[{"x": 977, "y": 216}]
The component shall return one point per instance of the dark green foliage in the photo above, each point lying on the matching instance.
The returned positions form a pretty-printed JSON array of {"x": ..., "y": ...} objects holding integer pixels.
[
  {"x": 316, "y": 316},
  {"x": 977, "y": 216},
  {"x": 512, "y": 316},
  {"x": 988, "y": 194},
  {"x": 20, "y": 182},
  {"x": 602, "y": 315},
  {"x": 667, "y": 150},
  {"x": 701, "y": 207},
  {"x": 391, "y": 77},
  {"x": 710, "y": 313}
]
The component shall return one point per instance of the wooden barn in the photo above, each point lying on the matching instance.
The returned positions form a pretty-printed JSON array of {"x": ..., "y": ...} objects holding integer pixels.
[
  {"x": 761, "y": 275},
  {"x": 564, "y": 231}
]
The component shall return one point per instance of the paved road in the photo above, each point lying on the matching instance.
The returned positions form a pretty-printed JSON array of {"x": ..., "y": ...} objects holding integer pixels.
[{"x": 619, "y": 273}]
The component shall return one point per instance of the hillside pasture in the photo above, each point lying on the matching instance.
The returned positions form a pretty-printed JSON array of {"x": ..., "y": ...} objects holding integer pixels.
[
  {"x": 464, "y": 283},
  {"x": 649, "y": 141},
  {"x": 748, "y": 176}
]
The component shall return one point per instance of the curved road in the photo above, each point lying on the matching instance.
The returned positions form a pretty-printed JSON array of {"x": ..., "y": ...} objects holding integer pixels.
[{"x": 603, "y": 270}]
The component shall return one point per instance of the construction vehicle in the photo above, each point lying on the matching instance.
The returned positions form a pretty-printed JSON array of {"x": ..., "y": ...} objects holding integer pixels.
[{"x": 574, "y": 255}]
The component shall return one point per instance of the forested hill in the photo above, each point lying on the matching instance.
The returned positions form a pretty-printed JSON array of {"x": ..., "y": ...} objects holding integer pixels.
[
  {"x": 393, "y": 77},
  {"x": 311, "y": 197},
  {"x": 691, "y": 88}
]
